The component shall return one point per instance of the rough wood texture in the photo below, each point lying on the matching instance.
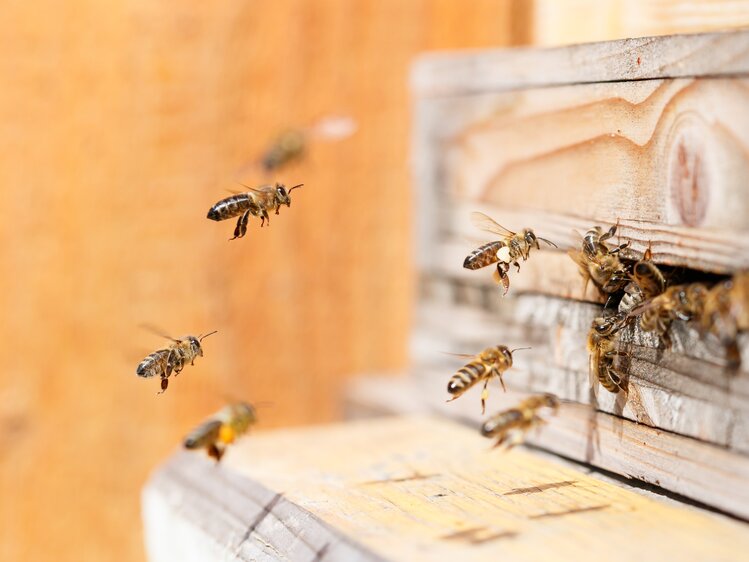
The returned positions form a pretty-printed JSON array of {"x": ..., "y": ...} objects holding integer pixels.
[
  {"x": 195, "y": 511},
  {"x": 122, "y": 122},
  {"x": 694, "y": 469},
  {"x": 428, "y": 489}
]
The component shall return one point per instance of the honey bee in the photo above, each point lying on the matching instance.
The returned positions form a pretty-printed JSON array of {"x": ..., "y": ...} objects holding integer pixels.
[
  {"x": 602, "y": 348},
  {"x": 164, "y": 362},
  {"x": 678, "y": 302},
  {"x": 490, "y": 363},
  {"x": 288, "y": 146},
  {"x": 599, "y": 263},
  {"x": 510, "y": 426},
  {"x": 726, "y": 313},
  {"x": 256, "y": 202},
  {"x": 504, "y": 252},
  {"x": 647, "y": 282},
  {"x": 221, "y": 429}
]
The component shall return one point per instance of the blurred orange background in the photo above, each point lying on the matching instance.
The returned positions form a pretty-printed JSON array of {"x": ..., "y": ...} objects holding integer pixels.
[{"x": 122, "y": 123}]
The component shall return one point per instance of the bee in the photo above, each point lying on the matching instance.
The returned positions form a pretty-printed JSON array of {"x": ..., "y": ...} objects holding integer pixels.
[
  {"x": 504, "y": 252},
  {"x": 288, "y": 146},
  {"x": 256, "y": 202},
  {"x": 511, "y": 425},
  {"x": 602, "y": 338},
  {"x": 490, "y": 363},
  {"x": 678, "y": 302},
  {"x": 647, "y": 282},
  {"x": 221, "y": 429},
  {"x": 164, "y": 362},
  {"x": 726, "y": 313},
  {"x": 599, "y": 263}
]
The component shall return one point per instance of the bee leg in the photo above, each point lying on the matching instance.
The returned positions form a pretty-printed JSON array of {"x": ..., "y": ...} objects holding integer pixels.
[
  {"x": 241, "y": 229},
  {"x": 484, "y": 396},
  {"x": 516, "y": 264},
  {"x": 501, "y": 381},
  {"x": 215, "y": 452},
  {"x": 500, "y": 441},
  {"x": 265, "y": 217},
  {"x": 503, "y": 277},
  {"x": 164, "y": 384}
]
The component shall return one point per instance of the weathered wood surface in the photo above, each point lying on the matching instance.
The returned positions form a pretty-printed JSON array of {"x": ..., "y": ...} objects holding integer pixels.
[
  {"x": 644, "y": 58},
  {"x": 422, "y": 488},
  {"x": 195, "y": 510},
  {"x": 689, "y": 467},
  {"x": 666, "y": 159}
]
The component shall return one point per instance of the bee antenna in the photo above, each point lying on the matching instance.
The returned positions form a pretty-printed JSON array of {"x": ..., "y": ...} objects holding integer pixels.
[
  {"x": 519, "y": 349},
  {"x": 201, "y": 338},
  {"x": 293, "y": 188}
]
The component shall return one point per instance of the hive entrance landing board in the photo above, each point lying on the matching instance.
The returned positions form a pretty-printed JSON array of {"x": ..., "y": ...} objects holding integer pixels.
[{"x": 420, "y": 488}]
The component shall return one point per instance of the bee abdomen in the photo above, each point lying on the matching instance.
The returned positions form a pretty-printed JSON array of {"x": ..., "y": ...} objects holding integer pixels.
[
  {"x": 501, "y": 422},
  {"x": 230, "y": 207},
  {"x": 609, "y": 380},
  {"x": 150, "y": 366},
  {"x": 483, "y": 256},
  {"x": 465, "y": 378}
]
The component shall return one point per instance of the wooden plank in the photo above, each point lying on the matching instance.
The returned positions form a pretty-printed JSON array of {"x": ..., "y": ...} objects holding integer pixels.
[
  {"x": 423, "y": 488},
  {"x": 645, "y": 58},
  {"x": 558, "y": 23},
  {"x": 664, "y": 158},
  {"x": 686, "y": 466},
  {"x": 196, "y": 511}
]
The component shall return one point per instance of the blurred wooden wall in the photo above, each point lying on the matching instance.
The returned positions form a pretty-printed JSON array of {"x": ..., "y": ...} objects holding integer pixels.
[{"x": 120, "y": 123}]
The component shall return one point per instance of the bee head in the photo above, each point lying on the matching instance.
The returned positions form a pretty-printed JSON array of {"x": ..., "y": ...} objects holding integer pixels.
[
  {"x": 530, "y": 238},
  {"x": 282, "y": 196},
  {"x": 246, "y": 412},
  {"x": 505, "y": 354},
  {"x": 195, "y": 345},
  {"x": 551, "y": 401}
]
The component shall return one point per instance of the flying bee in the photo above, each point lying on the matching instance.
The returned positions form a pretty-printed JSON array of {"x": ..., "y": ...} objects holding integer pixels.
[
  {"x": 256, "y": 202},
  {"x": 288, "y": 146},
  {"x": 490, "y": 363},
  {"x": 504, "y": 252},
  {"x": 221, "y": 429},
  {"x": 726, "y": 313},
  {"x": 164, "y": 362},
  {"x": 510, "y": 426},
  {"x": 599, "y": 263},
  {"x": 602, "y": 338}
]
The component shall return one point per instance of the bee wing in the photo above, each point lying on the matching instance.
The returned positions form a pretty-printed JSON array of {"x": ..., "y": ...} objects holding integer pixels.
[
  {"x": 157, "y": 331},
  {"x": 649, "y": 304},
  {"x": 461, "y": 355},
  {"x": 206, "y": 433},
  {"x": 485, "y": 222},
  {"x": 261, "y": 189}
]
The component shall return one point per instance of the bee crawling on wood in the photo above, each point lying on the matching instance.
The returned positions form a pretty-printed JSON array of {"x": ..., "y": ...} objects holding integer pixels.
[
  {"x": 490, "y": 363},
  {"x": 504, "y": 252},
  {"x": 602, "y": 339},
  {"x": 221, "y": 429},
  {"x": 510, "y": 426},
  {"x": 256, "y": 202},
  {"x": 164, "y": 362},
  {"x": 599, "y": 263}
]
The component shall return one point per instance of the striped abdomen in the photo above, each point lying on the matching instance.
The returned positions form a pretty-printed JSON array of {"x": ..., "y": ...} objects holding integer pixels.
[
  {"x": 502, "y": 422},
  {"x": 609, "y": 379},
  {"x": 154, "y": 365},
  {"x": 466, "y": 377},
  {"x": 483, "y": 256},
  {"x": 230, "y": 207}
]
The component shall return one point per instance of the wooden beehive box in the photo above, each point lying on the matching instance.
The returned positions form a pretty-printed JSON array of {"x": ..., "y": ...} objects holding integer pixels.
[{"x": 649, "y": 133}]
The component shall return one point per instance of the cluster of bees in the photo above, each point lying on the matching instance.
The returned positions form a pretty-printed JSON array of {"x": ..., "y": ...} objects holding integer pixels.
[
  {"x": 234, "y": 420},
  {"x": 635, "y": 291}
]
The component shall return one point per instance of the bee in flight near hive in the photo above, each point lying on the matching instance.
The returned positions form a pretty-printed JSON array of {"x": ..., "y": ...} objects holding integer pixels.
[
  {"x": 599, "y": 263},
  {"x": 221, "y": 429},
  {"x": 509, "y": 250},
  {"x": 256, "y": 202},
  {"x": 510, "y": 426},
  {"x": 490, "y": 363},
  {"x": 164, "y": 362},
  {"x": 602, "y": 339}
]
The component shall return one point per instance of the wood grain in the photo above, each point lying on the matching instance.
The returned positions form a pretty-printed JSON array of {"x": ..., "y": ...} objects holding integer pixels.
[
  {"x": 433, "y": 490},
  {"x": 122, "y": 123}
]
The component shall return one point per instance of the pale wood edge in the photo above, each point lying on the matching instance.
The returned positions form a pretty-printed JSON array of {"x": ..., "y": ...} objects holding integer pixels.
[
  {"x": 196, "y": 510},
  {"x": 702, "y": 472},
  {"x": 644, "y": 58}
]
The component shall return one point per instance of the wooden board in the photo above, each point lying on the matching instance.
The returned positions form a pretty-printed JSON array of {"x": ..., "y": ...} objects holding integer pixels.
[
  {"x": 688, "y": 467},
  {"x": 427, "y": 489}
]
